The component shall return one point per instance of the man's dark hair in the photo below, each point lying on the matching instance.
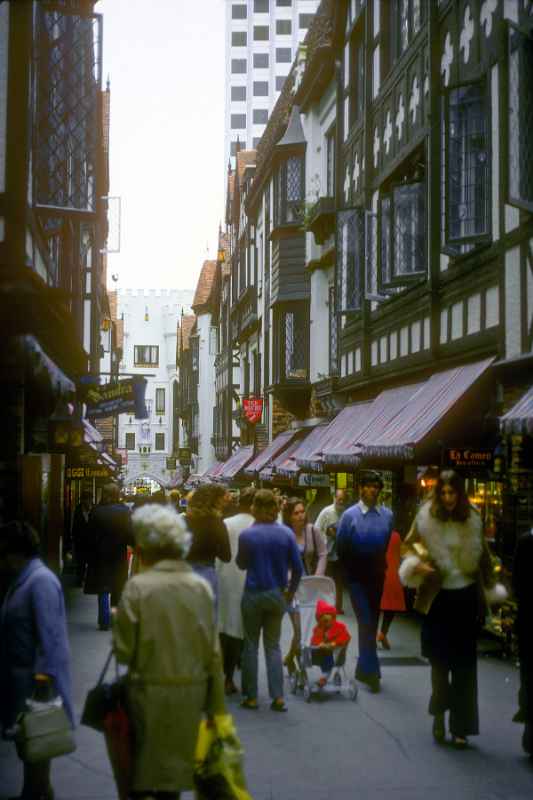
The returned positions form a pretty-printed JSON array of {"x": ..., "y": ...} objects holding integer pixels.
[
  {"x": 19, "y": 538},
  {"x": 369, "y": 477},
  {"x": 246, "y": 498}
]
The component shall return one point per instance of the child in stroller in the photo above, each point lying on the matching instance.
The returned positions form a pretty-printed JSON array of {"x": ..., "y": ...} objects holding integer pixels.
[
  {"x": 324, "y": 644},
  {"x": 329, "y": 642}
]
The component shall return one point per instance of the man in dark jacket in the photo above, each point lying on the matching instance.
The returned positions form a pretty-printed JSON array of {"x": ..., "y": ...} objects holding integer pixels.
[
  {"x": 108, "y": 537},
  {"x": 363, "y": 535},
  {"x": 80, "y": 529}
]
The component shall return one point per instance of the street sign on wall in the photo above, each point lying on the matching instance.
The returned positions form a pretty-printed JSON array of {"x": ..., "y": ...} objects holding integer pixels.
[{"x": 473, "y": 458}]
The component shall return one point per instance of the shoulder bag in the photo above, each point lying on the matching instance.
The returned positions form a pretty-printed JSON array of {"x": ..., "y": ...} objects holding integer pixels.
[{"x": 103, "y": 698}]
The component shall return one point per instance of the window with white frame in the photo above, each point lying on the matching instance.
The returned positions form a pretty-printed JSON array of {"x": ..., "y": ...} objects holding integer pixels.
[
  {"x": 160, "y": 441},
  {"x": 466, "y": 164},
  {"x": 330, "y": 163},
  {"x": 130, "y": 441},
  {"x": 146, "y": 355}
]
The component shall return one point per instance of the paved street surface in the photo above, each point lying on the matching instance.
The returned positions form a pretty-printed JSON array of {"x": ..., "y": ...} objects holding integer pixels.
[{"x": 377, "y": 747}]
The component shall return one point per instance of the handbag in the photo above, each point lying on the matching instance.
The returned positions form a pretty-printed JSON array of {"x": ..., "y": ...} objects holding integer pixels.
[
  {"x": 218, "y": 771},
  {"x": 44, "y": 732},
  {"x": 103, "y": 698}
]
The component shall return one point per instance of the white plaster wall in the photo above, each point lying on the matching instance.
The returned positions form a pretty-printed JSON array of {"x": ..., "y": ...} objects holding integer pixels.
[
  {"x": 319, "y": 338},
  {"x": 164, "y": 308},
  {"x": 4, "y": 46},
  {"x": 512, "y": 303},
  {"x": 206, "y": 395},
  {"x": 473, "y": 322},
  {"x": 492, "y": 307}
]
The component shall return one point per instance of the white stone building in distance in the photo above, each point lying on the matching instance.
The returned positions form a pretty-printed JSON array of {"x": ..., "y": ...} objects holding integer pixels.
[{"x": 150, "y": 319}]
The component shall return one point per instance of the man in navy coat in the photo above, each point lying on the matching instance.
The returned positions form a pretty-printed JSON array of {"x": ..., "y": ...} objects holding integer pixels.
[{"x": 363, "y": 536}]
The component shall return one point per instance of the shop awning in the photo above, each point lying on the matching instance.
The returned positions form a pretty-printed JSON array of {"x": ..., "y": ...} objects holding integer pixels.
[
  {"x": 520, "y": 418},
  {"x": 90, "y": 433},
  {"x": 236, "y": 463},
  {"x": 213, "y": 471},
  {"x": 424, "y": 410},
  {"x": 347, "y": 420},
  {"x": 266, "y": 456},
  {"x": 271, "y": 471},
  {"x": 287, "y": 465}
]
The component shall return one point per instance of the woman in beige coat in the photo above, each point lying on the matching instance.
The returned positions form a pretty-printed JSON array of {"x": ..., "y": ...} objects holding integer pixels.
[{"x": 165, "y": 632}]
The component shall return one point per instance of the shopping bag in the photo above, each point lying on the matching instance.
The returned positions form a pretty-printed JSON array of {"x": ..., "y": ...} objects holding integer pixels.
[
  {"x": 218, "y": 770},
  {"x": 119, "y": 744}
]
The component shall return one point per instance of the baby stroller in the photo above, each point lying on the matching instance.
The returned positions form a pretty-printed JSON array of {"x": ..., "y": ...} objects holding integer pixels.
[{"x": 305, "y": 677}]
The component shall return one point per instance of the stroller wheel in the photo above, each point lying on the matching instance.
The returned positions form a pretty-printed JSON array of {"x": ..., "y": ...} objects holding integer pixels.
[
  {"x": 293, "y": 683},
  {"x": 352, "y": 690},
  {"x": 307, "y": 693}
]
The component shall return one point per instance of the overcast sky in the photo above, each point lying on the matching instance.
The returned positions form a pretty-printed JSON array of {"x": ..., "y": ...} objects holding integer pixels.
[{"x": 165, "y": 61}]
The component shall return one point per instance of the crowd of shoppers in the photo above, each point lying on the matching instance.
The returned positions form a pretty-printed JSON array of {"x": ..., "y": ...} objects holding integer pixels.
[{"x": 209, "y": 583}]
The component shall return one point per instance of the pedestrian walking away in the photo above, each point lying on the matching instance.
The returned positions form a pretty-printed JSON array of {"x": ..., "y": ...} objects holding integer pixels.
[
  {"x": 209, "y": 534},
  {"x": 362, "y": 540},
  {"x": 448, "y": 562},
  {"x": 165, "y": 632},
  {"x": 269, "y": 554},
  {"x": 34, "y": 649},
  {"x": 313, "y": 550},
  {"x": 109, "y": 535},
  {"x": 327, "y": 522},
  {"x": 80, "y": 534},
  {"x": 523, "y": 589},
  {"x": 393, "y": 597},
  {"x": 231, "y": 586}
]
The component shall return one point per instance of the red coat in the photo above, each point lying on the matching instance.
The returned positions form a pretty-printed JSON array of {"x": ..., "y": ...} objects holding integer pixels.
[
  {"x": 393, "y": 598},
  {"x": 338, "y": 632}
]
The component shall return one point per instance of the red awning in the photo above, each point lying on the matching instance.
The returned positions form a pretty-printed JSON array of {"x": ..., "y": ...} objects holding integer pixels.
[
  {"x": 213, "y": 471},
  {"x": 520, "y": 418},
  {"x": 367, "y": 425},
  {"x": 284, "y": 457},
  {"x": 276, "y": 446},
  {"x": 287, "y": 464},
  {"x": 236, "y": 463},
  {"x": 432, "y": 401}
]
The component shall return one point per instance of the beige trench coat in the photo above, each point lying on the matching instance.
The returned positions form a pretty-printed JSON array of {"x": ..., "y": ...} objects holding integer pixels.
[
  {"x": 165, "y": 632},
  {"x": 231, "y": 580}
]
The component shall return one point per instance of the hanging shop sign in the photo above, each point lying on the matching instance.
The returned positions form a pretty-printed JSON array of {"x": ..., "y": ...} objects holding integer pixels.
[
  {"x": 127, "y": 396},
  {"x": 184, "y": 456},
  {"x": 313, "y": 481},
  {"x": 253, "y": 409},
  {"x": 470, "y": 458},
  {"x": 79, "y": 473}
]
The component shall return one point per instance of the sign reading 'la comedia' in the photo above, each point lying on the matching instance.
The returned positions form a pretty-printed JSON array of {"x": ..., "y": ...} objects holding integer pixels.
[
  {"x": 117, "y": 398},
  {"x": 473, "y": 458}
]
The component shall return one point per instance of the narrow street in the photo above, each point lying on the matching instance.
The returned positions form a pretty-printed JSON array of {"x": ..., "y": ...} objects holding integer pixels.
[{"x": 334, "y": 749}]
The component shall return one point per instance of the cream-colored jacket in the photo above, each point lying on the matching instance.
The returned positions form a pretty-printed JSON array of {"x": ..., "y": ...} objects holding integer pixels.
[
  {"x": 165, "y": 632},
  {"x": 426, "y": 542}
]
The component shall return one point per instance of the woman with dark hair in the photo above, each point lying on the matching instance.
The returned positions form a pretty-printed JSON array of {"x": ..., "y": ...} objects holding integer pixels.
[
  {"x": 34, "y": 649},
  {"x": 314, "y": 552},
  {"x": 209, "y": 534},
  {"x": 268, "y": 553},
  {"x": 448, "y": 562}
]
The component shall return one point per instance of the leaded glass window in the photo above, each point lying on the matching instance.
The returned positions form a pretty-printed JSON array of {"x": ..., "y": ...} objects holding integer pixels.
[
  {"x": 350, "y": 258},
  {"x": 467, "y": 159},
  {"x": 333, "y": 333},
  {"x": 403, "y": 234},
  {"x": 520, "y": 119},
  {"x": 289, "y": 191},
  {"x": 296, "y": 338}
]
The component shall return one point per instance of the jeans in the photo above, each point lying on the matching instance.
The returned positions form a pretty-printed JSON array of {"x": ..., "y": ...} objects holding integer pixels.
[
  {"x": 366, "y": 599},
  {"x": 209, "y": 573},
  {"x": 262, "y": 611},
  {"x": 104, "y": 610}
]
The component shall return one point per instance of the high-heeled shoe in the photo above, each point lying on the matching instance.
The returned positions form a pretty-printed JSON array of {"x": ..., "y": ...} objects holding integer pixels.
[
  {"x": 439, "y": 729},
  {"x": 459, "y": 742},
  {"x": 381, "y": 639}
]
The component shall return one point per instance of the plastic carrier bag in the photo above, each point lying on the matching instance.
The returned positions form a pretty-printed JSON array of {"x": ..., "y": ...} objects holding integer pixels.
[{"x": 218, "y": 770}]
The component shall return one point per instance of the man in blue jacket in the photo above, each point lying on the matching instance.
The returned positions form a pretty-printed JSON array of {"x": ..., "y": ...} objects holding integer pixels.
[{"x": 362, "y": 539}]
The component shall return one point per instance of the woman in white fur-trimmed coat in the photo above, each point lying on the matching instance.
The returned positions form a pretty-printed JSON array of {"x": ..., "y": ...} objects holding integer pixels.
[{"x": 447, "y": 560}]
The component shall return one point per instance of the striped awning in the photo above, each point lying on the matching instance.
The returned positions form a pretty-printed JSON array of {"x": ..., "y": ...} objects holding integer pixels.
[
  {"x": 430, "y": 403},
  {"x": 284, "y": 458},
  {"x": 235, "y": 463},
  {"x": 346, "y": 420},
  {"x": 213, "y": 471},
  {"x": 266, "y": 456},
  {"x": 368, "y": 426},
  {"x": 520, "y": 418}
]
